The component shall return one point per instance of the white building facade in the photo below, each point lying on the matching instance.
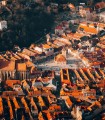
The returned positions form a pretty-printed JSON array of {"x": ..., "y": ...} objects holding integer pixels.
[{"x": 3, "y": 25}]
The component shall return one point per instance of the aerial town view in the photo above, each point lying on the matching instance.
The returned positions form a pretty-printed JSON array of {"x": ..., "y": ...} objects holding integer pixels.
[{"x": 52, "y": 60}]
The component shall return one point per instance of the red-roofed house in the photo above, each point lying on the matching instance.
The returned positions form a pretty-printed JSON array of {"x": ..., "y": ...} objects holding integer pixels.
[{"x": 59, "y": 30}]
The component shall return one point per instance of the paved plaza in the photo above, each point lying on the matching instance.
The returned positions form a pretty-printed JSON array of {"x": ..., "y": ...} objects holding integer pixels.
[{"x": 72, "y": 63}]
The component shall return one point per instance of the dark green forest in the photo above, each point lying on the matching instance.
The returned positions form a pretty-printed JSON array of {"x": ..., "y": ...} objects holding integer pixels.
[{"x": 27, "y": 22}]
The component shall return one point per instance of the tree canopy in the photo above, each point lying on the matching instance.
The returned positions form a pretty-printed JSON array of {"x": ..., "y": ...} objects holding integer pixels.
[{"x": 26, "y": 23}]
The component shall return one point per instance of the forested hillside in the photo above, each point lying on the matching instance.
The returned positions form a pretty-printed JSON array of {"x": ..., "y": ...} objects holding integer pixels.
[{"x": 27, "y": 22}]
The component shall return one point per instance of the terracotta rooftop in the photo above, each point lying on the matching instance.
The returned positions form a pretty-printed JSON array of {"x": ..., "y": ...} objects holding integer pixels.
[
  {"x": 7, "y": 65},
  {"x": 69, "y": 101},
  {"x": 88, "y": 29},
  {"x": 78, "y": 35},
  {"x": 55, "y": 107},
  {"x": 10, "y": 83},
  {"x": 29, "y": 64},
  {"x": 100, "y": 5},
  {"x": 20, "y": 55},
  {"x": 28, "y": 52},
  {"x": 21, "y": 67},
  {"x": 16, "y": 56},
  {"x": 35, "y": 52},
  {"x": 13, "y": 58},
  {"x": 46, "y": 46},
  {"x": 60, "y": 58},
  {"x": 3, "y": 58},
  {"x": 59, "y": 43},
  {"x": 52, "y": 45},
  {"x": 96, "y": 63}
]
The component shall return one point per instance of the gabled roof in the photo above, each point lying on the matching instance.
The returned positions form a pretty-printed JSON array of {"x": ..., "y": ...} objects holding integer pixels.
[
  {"x": 7, "y": 65},
  {"x": 90, "y": 29},
  {"x": 100, "y": 5},
  {"x": 28, "y": 52},
  {"x": 60, "y": 58},
  {"x": 46, "y": 46},
  {"x": 10, "y": 83}
]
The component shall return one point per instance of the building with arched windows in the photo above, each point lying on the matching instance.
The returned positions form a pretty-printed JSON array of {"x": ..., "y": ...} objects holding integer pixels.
[{"x": 14, "y": 70}]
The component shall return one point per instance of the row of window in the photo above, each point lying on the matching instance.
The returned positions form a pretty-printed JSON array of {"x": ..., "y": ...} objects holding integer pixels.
[{"x": 89, "y": 94}]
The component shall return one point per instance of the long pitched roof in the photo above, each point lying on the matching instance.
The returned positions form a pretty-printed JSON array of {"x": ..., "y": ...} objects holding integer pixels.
[{"x": 7, "y": 65}]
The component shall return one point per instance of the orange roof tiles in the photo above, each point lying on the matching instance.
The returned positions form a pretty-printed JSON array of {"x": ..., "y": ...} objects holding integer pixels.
[
  {"x": 100, "y": 5},
  {"x": 2, "y": 57},
  {"x": 15, "y": 103},
  {"x": 65, "y": 76},
  {"x": 10, "y": 93},
  {"x": 16, "y": 56},
  {"x": 96, "y": 63},
  {"x": 7, "y": 65},
  {"x": 46, "y": 46},
  {"x": 20, "y": 55},
  {"x": 82, "y": 72},
  {"x": 10, "y": 83},
  {"x": 41, "y": 101},
  {"x": 32, "y": 46},
  {"x": 85, "y": 59},
  {"x": 13, "y": 58},
  {"x": 69, "y": 101},
  {"x": 75, "y": 93},
  {"x": 59, "y": 43},
  {"x": 78, "y": 35},
  {"x": 27, "y": 52},
  {"x": 29, "y": 64},
  {"x": 60, "y": 58},
  {"x": 49, "y": 116},
  {"x": 54, "y": 46},
  {"x": 40, "y": 116},
  {"x": 88, "y": 29},
  {"x": 65, "y": 37},
  {"x": 1, "y": 106},
  {"x": 10, "y": 109},
  {"x": 101, "y": 84},
  {"x": 55, "y": 107},
  {"x": 21, "y": 67},
  {"x": 35, "y": 52},
  {"x": 77, "y": 74}
]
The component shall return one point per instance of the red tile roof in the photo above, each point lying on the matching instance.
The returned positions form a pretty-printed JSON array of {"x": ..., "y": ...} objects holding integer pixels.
[
  {"x": 10, "y": 83},
  {"x": 7, "y": 65}
]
